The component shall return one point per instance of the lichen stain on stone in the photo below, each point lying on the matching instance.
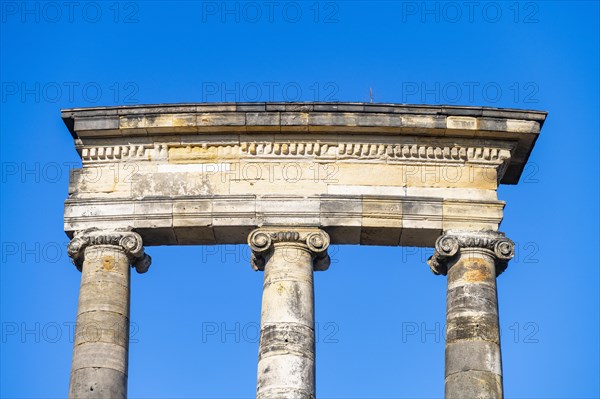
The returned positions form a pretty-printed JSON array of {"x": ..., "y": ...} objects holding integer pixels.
[
  {"x": 108, "y": 263},
  {"x": 202, "y": 154},
  {"x": 280, "y": 289},
  {"x": 182, "y": 121},
  {"x": 196, "y": 153},
  {"x": 477, "y": 270}
]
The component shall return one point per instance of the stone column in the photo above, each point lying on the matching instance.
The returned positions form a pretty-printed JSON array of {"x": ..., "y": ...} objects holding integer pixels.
[
  {"x": 100, "y": 352},
  {"x": 286, "y": 355},
  {"x": 472, "y": 260}
]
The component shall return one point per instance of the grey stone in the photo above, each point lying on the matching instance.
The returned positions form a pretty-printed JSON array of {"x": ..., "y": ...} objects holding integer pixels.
[
  {"x": 471, "y": 260},
  {"x": 100, "y": 353},
  {"x": 97, "y": 383},
  {"x": 250, "y": 107},
  {"x": 286, "y": 363},
  {"x": 477, "y": 355},
  {"x": 474, "y": 384}
]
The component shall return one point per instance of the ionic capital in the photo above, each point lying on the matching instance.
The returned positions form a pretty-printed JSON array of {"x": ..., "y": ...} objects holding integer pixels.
[
  {"x": 449, "y": 245},
  {"x": 262, "y": 241},
  {"x": 127, "y": 240}
]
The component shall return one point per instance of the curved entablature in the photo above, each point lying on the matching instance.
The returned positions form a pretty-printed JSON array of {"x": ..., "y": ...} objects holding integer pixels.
[
  {"x": 288, "y": 179},
  {"x": 520, "y": 127},
  {"x": 378, "y": 174}
]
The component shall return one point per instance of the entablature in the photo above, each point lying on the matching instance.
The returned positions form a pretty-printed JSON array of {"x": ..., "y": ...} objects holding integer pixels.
[{"x": 371, "y": 174}]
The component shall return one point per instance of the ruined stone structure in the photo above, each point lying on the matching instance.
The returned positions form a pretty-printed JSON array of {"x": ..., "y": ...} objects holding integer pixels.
[{"x": 288, "y": 179}]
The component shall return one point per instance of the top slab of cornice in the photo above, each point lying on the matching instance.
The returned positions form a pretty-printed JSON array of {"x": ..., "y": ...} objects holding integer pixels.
[
  {"x": 309, "y": 107},
  {"x": 513, "y": 125}
]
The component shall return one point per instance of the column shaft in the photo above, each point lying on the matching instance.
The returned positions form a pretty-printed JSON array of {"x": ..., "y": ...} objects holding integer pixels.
[
  {"x": 101, "y": 348},
  {"x": 100, "y": 353},
  {"x": 473, "y": 362},
  {"x": 286, "y": 357},
  {"x": 472, "y": 260}
]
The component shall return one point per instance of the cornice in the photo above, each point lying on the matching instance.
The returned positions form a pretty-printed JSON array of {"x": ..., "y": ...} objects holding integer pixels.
[{"x": 520, "y": 127}]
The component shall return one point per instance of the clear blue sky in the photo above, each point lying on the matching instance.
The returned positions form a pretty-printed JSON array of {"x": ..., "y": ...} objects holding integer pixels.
[{"x": 380, "y": 311}]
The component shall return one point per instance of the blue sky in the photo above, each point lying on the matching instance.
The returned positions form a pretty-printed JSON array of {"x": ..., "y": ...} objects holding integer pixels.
[{"x": 380, "y": 312}]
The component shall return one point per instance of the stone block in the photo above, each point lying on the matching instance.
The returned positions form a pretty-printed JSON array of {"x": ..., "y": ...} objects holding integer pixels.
[
  {"x": 192, "y": 221},
  {"x": 421, "y": 222},
  {"x": 455, "y": 124},
  {"x": 216, "y": 107},
  {"x": 360, "y": 174},
  {"x": 151, "y": 214},
  {"x": 221, "y": 121},
  {"x": 387, "y": 121},
  {"x": 424, "y": 124},
  {"x": 472, "y": 214},
  {"x": 106, "y": 327},
  {"x": 381, "y": 220},
  {"x": 462, "y": 111},
  {"x": 474, "y": 384},
  {"x": 263, "y": 121},
  {"x": 251, "y": 107},
  {"x": 294, "y": 121},
  {"x": 298, "y": 107},
  {"x": 109, "y": 125},
  {"x": 275, "y": 107},
  {"x": 103, "y": 181},
  {"x": 234, "y": 217},
  {"x": 287, "y": 210},
  {"x": 301, "y": 188},
  {"x": 520, "y": 126},
  {"x": 472, "y": 194},
  {"x": 345, "y": 189},
  {"x": 174, "y": 184},
  {"x": 98, "y": 383},
  {"x": 332, "y": 119},
  {"x": 327, "y": 107},
  {"x": 473, "y": 355},
  {"x": 100, "y": 355},
  {"x": 341, "y": 218},
  {"x": 107, "y": 210}
]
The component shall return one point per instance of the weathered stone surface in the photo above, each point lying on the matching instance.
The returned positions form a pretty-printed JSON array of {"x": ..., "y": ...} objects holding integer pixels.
[
  {"x": 302, "y": 173},
  {"x": 480, "y": 326},
  {"x": 381, "y": 222},
  {"x": 100, "y": 352},
  {"x": 463, "y": 213},
  {"x": 286, "y": 363},
  {"x": 482, "y": 247},
  {"x": 341, "y": 217},
  {"x": 472, "y": 259},
  {"x": 97, "y": 383},
  {"x": 421, "y": 221},
  {"x": 474, "y": 123},
  {"x": 227, "y": 219},
  {"x": 477, "y": 355},
  {"x": 192, "y": 221},
  {"x": 261, "y": 121},
  {"x": 274, "y": 210},
  {"x": 133, "y": 178},
  {"x": 108, "y": 124},
  {"x": 474, "y": 384}
]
